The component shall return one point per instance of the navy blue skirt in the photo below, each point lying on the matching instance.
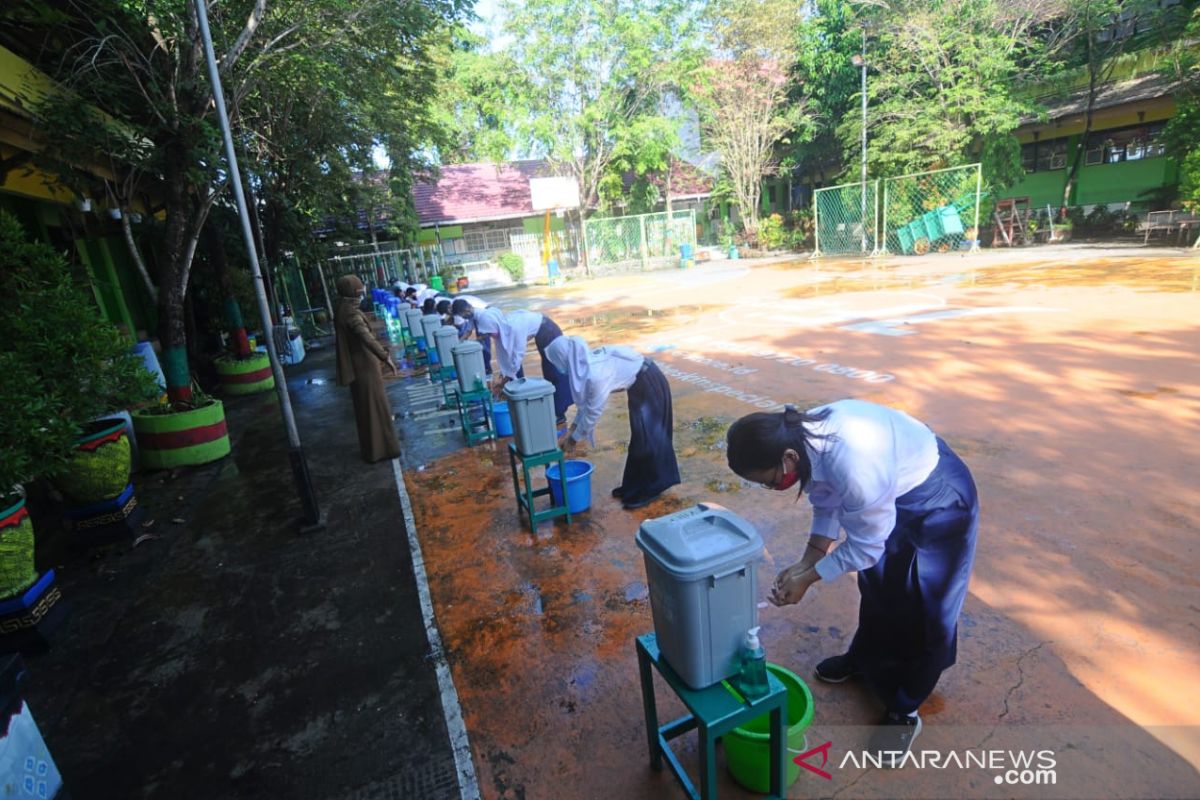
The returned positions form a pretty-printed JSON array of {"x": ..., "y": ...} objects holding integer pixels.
[
  {"x": 650, "y": 465},
  {"x": 912, "y": 597}
]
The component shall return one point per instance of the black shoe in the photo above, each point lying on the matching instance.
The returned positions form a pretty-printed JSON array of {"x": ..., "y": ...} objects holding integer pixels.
[
  {"x": 894, "y": 737},
  {"x": 837, "y": 669},
  {"x": 617, "y": 492},
  {"x": 630, "y": 505}
]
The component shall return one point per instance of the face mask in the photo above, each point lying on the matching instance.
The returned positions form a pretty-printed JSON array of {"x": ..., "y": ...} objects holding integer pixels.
[{"x": 788, "y": 480}]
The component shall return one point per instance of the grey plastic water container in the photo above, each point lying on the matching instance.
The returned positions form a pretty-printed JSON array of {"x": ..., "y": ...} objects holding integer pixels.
[
  {"x": 402, "y": 315},
  {"x": 700, "y": 566},
  {"x": 414, "y": 322},
  {"x": 429, "y": 325},
  {"x": 468, "y": 364},
  {"x": 444, "y": 339},
  {"x": 531, "y": 402}
]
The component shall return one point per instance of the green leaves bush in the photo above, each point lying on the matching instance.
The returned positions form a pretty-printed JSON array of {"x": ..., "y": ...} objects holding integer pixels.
[{"x": 61, "y": 365}]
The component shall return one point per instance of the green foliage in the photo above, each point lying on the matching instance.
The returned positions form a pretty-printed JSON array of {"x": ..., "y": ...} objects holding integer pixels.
[
  {"x": 941, "y": 77},
  {"x": 1183, "y": 131},
  {"x": 62, "y": 364},
  {"x": 583, "y": 84},
  {"x": 514, "y": 265},
  {"x": 771, "y": 233}
]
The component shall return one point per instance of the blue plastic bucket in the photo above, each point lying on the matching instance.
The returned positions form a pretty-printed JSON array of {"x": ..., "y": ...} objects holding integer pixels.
[
  {"x": 503, "y": 418},
  {"x": 579, "y": 485}
]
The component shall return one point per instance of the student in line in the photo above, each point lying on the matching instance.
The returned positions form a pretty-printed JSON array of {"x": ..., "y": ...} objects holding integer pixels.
[
  {"x": 511, "y": 334},
  {"x": 650, "y": 465},
  {"x": 911, "y": 514}
]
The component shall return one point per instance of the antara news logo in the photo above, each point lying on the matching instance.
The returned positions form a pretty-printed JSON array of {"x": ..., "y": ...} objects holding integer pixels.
[{"x": 1009, "y": 767}]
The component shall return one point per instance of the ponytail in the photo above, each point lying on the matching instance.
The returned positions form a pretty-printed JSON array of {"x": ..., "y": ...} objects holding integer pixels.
[{"x": 758, "y": 441}]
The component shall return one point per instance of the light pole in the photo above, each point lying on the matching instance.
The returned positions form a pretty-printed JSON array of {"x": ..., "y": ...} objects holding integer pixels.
[
  {"x": 308, "y": 498},
  {"x": 860, "y": 61}
]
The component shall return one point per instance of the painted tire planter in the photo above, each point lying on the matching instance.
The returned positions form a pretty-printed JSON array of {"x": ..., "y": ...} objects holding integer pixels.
[
  {"x": 182, "y": 438},
  {"x": 99, "y": 468},
  {"x": 247, "y": 375},
  {"x": 16, "y": 547}
]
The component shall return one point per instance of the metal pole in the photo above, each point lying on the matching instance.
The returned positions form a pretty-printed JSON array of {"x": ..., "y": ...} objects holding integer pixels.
[
  {"x": 308, "y": 498},
  {"x": 978, "y": 192},
  {"x": 863, "y": 179}
]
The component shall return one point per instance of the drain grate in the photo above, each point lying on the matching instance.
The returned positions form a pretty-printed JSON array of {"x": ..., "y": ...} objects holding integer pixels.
[{"x": 433, "y": 780}]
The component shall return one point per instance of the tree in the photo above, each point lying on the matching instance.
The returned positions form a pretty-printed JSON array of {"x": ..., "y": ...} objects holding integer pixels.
[
  {"x": 1183, "y": 131},
  {"x": 1102, "y": 31},
  {"x": 942, "y": 82},
  {"x": 140, "y": 63},
  {"x": 588, "y": 79},
  {"x": 741, "y": 94}
]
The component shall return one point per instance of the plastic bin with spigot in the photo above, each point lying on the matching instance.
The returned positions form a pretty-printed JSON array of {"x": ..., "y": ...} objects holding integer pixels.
[
  {"x": 531, "y": 402},
  {"x": 468, "y": 365},
  {"x": 700, "y": 566}
]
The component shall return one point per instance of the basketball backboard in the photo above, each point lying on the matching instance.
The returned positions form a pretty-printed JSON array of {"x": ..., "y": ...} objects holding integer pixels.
[{"x": 550, "y": 194}]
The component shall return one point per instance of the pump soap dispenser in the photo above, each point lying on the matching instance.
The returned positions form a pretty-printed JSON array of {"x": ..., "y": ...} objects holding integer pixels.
[{"x": 752, "y": 680}]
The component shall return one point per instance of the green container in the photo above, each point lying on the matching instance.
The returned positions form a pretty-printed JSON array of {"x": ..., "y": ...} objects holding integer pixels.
[
  {"x": 748, "y": 748},
  {"x": 950, "y": 220},
  {"x": 248, "y": 375},
  {"x": 16, "y": 547},
  {"x": 100, "y": 465},
  {"x": 436, "y": 283},
  {"x": 182, "y": 438}
]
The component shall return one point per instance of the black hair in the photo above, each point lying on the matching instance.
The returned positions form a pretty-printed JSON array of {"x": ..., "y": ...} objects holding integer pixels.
[
  {"x": 459, "y": 306},
  {"x": 443, "y": 307},
  {"x": 410, "y": 290},
  {"x": 428, "y": 306},
  {"x": 397, "y": 292},
  {"x": 758, "y": 441}
]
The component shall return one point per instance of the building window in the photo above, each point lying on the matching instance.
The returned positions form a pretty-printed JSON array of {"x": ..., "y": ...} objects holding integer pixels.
[
  {"x": 1044, "y": 156},
  {"x": 1132, "y": 143}
]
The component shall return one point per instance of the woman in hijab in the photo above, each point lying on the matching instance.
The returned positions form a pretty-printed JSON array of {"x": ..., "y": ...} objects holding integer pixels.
[
  {"x": 360, "y": 358},
  {"x": 650, "y": 466}
]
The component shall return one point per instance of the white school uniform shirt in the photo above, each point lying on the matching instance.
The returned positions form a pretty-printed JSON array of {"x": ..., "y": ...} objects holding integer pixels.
[
  {"x": 512, "y": 332},
  {"x": 472, "y": 300},
  {"x": 874, "y": 455},
  {"x": 594, "y": 375}
]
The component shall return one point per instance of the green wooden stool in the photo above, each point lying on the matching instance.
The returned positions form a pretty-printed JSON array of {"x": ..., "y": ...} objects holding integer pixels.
[
  {"x": 715, "y": 711},
  {"x": 476, "y": 430},
  {"x": 526, "y": 496}
]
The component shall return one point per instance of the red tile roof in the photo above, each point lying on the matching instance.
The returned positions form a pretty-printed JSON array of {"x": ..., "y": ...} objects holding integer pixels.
[{"x": 476, "y": 192}]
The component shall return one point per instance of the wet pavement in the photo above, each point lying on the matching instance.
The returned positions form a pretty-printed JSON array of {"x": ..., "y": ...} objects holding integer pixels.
[
  {"x": 234, "y": 658},
  {"x": 231, "y": 656},
  {"x": 1069, "y": 386}
]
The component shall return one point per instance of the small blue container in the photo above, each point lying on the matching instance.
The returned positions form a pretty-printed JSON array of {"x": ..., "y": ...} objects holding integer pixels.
[
  {"x": 579, "y": 485},
  {"x": 503, "y": 418}
]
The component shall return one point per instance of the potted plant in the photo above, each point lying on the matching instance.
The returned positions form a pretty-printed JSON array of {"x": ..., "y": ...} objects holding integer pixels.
[{"x": 63, "y": 367}]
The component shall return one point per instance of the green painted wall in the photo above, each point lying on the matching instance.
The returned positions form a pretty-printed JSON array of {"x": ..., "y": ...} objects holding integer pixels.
[
  {"x": 1129, "y": 180},
  {"x": 1041, "y": 188}
]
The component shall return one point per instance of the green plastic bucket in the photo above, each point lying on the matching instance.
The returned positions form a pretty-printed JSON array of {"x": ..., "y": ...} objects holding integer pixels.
[{"x": 747, "y": 748}]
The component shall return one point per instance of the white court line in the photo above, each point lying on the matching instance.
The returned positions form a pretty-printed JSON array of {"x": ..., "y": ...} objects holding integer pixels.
[{"x": 468, "y": 786}]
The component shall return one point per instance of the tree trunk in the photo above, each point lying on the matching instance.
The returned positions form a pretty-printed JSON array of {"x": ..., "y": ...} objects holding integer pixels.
[
  {"x": 1081, "y": 148},
  {"x": 136, "y": 255},
  {"x": 172, "y": 329}
]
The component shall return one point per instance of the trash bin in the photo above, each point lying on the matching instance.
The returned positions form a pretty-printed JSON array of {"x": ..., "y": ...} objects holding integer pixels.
[
  {"x": 444, "y": 339},
  {"x": 468, "y": 365},
  {"x": 436, "y": 283},
  {"x": 700, "y": 566},
  {"x": 531, "y": 401},
  {"x": 686, "y": 259},
  {"x": 26, "y": 767},
  {"x": 414, "y": 324}
]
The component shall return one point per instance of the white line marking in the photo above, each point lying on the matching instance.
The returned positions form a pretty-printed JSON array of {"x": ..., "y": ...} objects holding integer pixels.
[{"x": 468, "y": 786}]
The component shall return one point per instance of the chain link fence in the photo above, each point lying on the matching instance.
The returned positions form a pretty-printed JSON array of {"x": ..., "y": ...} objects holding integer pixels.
[
  {"x": 638, "y": 242},
  {"x": 935, "y": 211},
  {"x": 847, "y": 219}
]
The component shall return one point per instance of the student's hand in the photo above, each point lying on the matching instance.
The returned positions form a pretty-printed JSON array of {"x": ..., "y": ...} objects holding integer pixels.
[
  {"x": 567, "y": 444},
  {"x": 791, "y": 584},
  {"x": 498, "y": 387},
  {"x": 391, "y": 363}
]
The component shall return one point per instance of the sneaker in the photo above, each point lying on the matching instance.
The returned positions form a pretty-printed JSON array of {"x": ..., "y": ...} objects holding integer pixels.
[
  {"x": 837, "y": 669},
  {"x": 894, "y": 737}
]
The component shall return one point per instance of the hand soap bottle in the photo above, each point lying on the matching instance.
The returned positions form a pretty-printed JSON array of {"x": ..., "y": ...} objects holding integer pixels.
[{"x": 752, "y": 680}]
